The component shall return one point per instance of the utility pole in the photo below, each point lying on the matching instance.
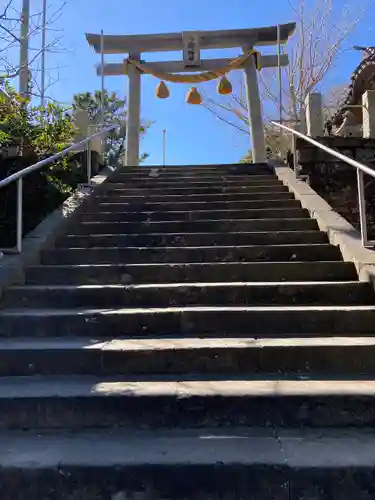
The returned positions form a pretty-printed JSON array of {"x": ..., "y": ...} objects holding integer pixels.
[
  {"x": 24, "y": 49},
  {"x": 102, "y": 78},
  {"x": 279, "y": 72},
  {"x": 43, "y": 64}
]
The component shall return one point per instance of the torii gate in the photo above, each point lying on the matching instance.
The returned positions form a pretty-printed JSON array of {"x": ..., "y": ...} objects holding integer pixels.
[{"x": 191, "y": 43}]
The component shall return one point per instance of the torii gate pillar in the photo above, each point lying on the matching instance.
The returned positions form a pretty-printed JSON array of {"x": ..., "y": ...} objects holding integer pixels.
[
  {"x": 134, "y": 115},
  {"x": 254, "y": 107}
]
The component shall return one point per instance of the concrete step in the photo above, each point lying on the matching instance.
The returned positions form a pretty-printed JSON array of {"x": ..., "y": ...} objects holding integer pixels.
[
  {"x": 207, "y": 198},
  {"x": 266, "y": 213},
  {"x": 187, "y": 273},
  {"x": 202, "y": 464},
  {"x": 127, "y": 190},
  {"x": 78, "y": 402},
  {"x": 207, "y": 176},
  {"x": 146, "y": 255},
  {"x": 188, "y": 169},
  {"x": 241, "y": 321},
  {"x": 237, "y": 169},
  {"x": 313, "y": 356},
  {"x": 197, "y": 294},
  {"x": 216, "y": 167},
  {"x": 204, "y": 226},
  {"x": 146, "y": 206},
  {"x": 176, "y": 182},
  {"x": 192, "y": 239}
]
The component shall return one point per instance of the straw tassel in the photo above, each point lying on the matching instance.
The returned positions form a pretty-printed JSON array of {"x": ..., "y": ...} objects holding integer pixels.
[
  {"x": 224, "y": 86},
  {"x": 193, "y": 96},
  {"x": 162, "y": 91}
]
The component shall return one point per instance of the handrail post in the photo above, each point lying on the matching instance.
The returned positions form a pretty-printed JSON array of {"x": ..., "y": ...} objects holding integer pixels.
[
  {"x": 362, "y": 207},
  {"x": 88, "y": 162},
  {"x": 19, "y": 214},
  {"x": 295, "y": 159}
]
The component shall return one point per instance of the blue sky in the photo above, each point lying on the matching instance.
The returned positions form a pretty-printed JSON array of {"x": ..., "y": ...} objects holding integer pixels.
[{"x": 194, "y": 135}]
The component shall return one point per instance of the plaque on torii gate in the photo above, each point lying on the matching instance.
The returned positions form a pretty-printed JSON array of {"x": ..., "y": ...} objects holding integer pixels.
[{"x": 191, "y": 43}]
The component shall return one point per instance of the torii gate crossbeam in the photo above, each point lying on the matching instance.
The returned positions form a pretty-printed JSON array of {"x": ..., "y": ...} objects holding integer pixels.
[{"x": 135, "y": 45}]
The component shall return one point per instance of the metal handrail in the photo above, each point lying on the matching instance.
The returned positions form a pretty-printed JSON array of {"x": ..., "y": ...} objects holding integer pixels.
[
  {"x": 51, "y": 159},
  {"x": 360, "y": 168},
  {"x": 18, "y": 177}
]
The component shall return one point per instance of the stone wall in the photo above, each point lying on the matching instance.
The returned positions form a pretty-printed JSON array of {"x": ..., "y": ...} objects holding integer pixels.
[{"x": 336, "y": 181}]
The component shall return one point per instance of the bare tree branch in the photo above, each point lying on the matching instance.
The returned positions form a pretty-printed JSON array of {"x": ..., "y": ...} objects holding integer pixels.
[
  {"x": 320, "y": 39},
  {"x": 10, "y": 23}
]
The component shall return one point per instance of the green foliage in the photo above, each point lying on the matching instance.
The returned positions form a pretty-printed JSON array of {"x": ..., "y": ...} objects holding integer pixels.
[
  {"x": 114, "y": 112},
  {"x": 46, "y": 131},
  {"x": 4, "y": 139},
  {"x": 248, "y": 158},
  {"x": 53, "y": 129},
  {"x": 114, "y": 108},
  {"x": 13, "y": 117},
  {"x": 10, "y": 101},
  {"x": 40, "y": 132}
]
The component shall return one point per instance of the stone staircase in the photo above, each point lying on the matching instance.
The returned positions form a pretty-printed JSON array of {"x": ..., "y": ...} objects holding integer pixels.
[{"x": 193, "y": 336}]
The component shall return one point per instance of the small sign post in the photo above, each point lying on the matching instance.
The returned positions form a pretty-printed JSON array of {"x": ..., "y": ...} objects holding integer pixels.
[{"x": 164, "y": 147}]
